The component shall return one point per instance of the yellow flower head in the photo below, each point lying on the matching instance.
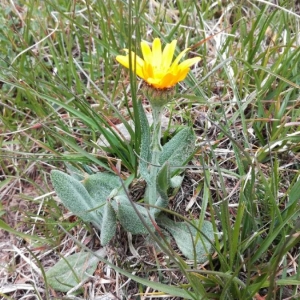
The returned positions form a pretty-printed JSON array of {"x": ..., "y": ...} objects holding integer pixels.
[{"x": 157, "y": 68}]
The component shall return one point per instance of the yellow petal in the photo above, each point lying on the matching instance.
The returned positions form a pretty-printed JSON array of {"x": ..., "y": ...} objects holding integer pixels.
[
  {"x": 189, "y": 62},
  {"x": 182, "y": 74},
  {"x": 154, "y": 82},
  {"x": 147, "y": 71},
  {"x": 176, "y": 61},
  {"x": 147, "y": 54},
  {"x": 139, "y": 72},
  {"x": 156, "y": 52},
  {"x": 168, "y": 80},
  {"x": 168, "y": 54},
  {"x": 137, "y": 63},
  {"x": 123, "y": 60}
]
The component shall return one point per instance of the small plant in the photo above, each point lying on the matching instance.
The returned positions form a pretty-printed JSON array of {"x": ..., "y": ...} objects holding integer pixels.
[{"x": 102, "y": 198}]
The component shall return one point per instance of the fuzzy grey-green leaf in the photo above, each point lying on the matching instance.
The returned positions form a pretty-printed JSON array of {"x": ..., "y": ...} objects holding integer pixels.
[
  {"x": 179, "y": 149},
  {"x": 100, "y": 185},
  {"x": 128, "y": 217},
  {"x": 188, "y": 238},
  {"x": 162, "y": 184},
  {"x": 74, "y": 172},
  {"x": 163, "y": 180},
  {"x": 176, "y": 181},
  {"x": 109, "y": 224},
  {"x": 73, "y": 195},
  {"x": 63, "y": 278}
]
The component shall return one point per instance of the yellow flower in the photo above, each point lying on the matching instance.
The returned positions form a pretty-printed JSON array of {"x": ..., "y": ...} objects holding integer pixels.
[{"x": 157, "y": 68}]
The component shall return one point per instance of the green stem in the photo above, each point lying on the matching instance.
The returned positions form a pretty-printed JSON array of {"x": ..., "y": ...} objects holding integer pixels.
[
  {"x": 155, "y": 149},
  {"x": 156, "y": 135}
]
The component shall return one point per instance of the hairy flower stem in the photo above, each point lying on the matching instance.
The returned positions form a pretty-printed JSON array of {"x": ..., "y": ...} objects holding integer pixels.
[{"x": 155, "y": 149}]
